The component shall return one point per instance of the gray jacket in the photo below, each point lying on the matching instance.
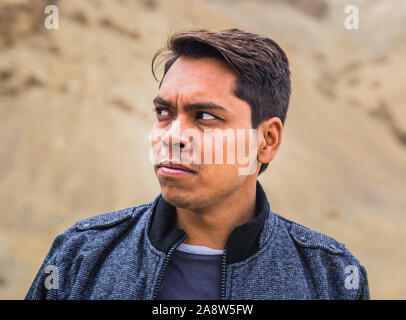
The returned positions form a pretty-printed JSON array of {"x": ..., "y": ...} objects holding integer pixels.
[{"x": 124, "y": 254}]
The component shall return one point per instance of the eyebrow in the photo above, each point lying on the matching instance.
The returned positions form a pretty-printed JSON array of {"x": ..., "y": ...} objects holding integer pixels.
[{"x": 191, "y": 106}]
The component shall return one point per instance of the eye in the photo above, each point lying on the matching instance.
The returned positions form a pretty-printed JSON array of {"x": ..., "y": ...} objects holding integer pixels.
[
  {"x": 161, "y": 112},
  {"x": 206, "y": 116}
]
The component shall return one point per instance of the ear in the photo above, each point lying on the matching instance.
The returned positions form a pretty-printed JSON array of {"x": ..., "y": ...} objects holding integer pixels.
[{"x": 269, "y": 139}]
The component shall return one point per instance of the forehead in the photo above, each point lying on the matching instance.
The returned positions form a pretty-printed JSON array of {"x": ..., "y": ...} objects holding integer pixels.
[{"x": 191, "y": 80}]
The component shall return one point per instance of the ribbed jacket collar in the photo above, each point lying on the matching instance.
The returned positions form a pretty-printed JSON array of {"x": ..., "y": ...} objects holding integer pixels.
[{"x": 241, "y": 244}]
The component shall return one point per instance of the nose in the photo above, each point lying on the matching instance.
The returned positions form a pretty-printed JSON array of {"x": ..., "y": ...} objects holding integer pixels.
[{"x": 173, "y": 139}]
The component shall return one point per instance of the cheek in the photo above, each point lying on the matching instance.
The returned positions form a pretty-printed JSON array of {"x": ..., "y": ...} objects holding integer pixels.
[
  {"x": 214, "y": 175},
  {"x": 219, "y": 148},
  {"x": 226, "y": 150},
  {"x": 156, "y": 152}
]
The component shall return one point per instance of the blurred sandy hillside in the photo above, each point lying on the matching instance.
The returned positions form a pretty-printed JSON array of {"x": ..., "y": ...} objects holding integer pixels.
[{"x": 75, "y": 112}]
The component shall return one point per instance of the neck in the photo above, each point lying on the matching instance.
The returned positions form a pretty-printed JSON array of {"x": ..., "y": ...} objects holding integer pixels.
[{"x": 211, "y": 226}]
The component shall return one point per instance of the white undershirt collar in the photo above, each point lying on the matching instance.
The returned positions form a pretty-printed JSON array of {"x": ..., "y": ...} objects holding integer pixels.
[{"x": 189, "y": 248}]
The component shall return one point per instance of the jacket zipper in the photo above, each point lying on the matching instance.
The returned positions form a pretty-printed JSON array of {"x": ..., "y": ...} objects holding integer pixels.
[
  {"x": 223, "y": 275},
  {"x": 224, "y": 272},
  {"x": 165, "y": 265}
]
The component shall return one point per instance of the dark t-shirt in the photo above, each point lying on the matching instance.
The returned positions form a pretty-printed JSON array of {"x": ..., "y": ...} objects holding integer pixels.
[{"x": 193, "y": 273}]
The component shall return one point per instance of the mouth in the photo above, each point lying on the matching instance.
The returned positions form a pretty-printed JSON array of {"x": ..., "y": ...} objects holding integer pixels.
[{"x": 175, "y": 170}]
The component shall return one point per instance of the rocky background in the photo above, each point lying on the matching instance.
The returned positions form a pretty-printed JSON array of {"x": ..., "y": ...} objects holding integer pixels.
[{"x": 75, "y": 112}]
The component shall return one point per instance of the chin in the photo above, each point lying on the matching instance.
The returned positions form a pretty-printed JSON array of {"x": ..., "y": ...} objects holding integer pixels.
[
  {"x": 176, "y": 199},
  {"x": 180, "y": 198}
]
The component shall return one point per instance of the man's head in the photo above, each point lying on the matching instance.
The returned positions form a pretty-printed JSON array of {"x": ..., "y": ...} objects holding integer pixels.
[{"x": 244, "y": 81}]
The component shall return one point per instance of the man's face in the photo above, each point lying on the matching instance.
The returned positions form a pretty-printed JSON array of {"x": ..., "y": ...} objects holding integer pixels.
[{"x": 196, "y": 98}]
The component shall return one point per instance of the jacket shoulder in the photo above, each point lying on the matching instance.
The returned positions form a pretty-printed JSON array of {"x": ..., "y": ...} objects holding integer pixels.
[
  {"x": 70, "y": 247},
  {"x": 308, "y": 238},
  {"x": 111, "y": 219},
  {"x": 330, "y": 257}
]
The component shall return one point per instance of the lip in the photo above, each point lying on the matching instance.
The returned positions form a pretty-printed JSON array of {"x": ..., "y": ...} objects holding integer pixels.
[{"x": 175, "y": 169}]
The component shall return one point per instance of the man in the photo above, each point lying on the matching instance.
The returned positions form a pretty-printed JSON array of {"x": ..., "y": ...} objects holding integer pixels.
[{"x": 210, "y": 233}]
